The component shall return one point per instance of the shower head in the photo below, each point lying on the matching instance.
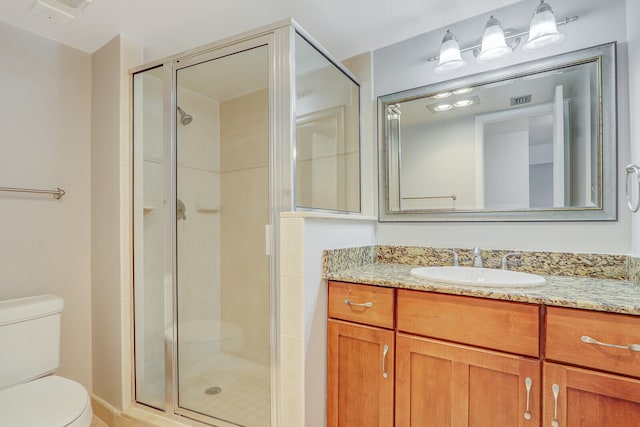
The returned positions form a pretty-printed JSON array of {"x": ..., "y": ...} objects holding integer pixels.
[{"x": 185, "y": 118}]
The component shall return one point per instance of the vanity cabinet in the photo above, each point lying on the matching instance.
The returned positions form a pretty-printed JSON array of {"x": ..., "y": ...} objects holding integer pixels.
[
  {"x": 360, "y": 357},
  {"x": 588, "y": 398},
  {"x": 466, "y": 361},
  {"x": 584, "y": 397},
  {"x": 498, "y": 325},
  {"x": 445, "y": 384},
  {"x": 453, "y": 366}
]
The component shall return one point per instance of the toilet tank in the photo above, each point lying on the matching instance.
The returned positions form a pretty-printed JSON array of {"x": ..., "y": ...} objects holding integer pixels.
[{"x": 29, "y": 338}]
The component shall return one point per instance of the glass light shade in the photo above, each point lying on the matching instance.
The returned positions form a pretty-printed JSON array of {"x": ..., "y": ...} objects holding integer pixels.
[
  {"x": 450, "y": 58},
  {"x": 543, "y": 31},
  {"x": 494, "y": 45}
]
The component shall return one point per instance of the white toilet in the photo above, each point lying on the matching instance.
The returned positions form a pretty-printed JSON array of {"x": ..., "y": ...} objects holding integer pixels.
[{"x": 29, "y": 352}]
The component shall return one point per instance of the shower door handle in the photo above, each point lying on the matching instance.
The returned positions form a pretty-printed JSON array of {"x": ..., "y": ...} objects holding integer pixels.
[{"x": 267, "y": 239}]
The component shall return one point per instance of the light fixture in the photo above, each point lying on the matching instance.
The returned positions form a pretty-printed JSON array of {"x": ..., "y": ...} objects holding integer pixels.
[
  {"x": 450, "y": 58},
  {"x": 543, "y": 31},
  {"x": 442, "y": 107},
  {"x": 442, "y": 95},
  {"x": 462, "y": 91},
  {"x": 497, "y": 42},
  {"x": 463, "y": 103},
  {"x": 494, "y": 45},
  {"x": 467, "y": 101}
]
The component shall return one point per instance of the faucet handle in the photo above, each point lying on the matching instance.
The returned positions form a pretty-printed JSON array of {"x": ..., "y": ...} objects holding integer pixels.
[
  {"x": 504, "y": 265},
  {"x": 456, "y": 258}
]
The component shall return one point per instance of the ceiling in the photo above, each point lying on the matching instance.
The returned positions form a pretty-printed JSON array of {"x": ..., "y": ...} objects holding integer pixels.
[{"x": 344, "y": 28}]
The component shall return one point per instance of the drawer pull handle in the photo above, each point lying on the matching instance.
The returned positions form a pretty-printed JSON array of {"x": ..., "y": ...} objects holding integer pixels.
[
  {"x": 366, "y": 304},
  {"x": 528, "y": 382},
  {"x": 385, "y": 350},
  {"x": 556, "y": 391},
  {"x": 589, "y": 340}
]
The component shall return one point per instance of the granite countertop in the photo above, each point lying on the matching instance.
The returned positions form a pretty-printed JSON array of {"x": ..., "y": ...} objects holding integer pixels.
[{"x": 609, "y": 295}]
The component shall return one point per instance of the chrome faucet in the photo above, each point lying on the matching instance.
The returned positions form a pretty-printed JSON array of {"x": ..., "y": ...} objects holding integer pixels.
[
  {"x": 455, "y": 262},
  {"x": 477, "y": 257},
  {"x": 504, "y": 264}
]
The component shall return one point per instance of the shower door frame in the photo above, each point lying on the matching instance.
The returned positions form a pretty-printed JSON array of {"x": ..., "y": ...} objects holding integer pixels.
[
  {"x": 228, "y": 51},
  {"x": 279, "y": 39}
]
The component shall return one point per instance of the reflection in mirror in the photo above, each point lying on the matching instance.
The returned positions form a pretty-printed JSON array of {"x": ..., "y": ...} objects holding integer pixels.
[
  {"x": 327, "y": 134},
  {"x": 531, "y": 142}
]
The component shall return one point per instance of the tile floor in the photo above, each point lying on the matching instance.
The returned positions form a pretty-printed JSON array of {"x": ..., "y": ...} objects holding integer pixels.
[{"x": 244, "y": 398}]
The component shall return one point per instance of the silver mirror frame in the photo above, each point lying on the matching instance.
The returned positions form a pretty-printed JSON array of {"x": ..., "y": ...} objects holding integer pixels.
[{"x": 605, "y": 55}]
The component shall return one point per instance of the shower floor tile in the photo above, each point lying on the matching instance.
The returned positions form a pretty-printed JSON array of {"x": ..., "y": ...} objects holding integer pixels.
[{"x": 244, "y": 398}]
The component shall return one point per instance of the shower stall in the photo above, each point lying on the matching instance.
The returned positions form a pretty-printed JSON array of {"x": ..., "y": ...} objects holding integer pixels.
[{"x": 214, "y": 164}]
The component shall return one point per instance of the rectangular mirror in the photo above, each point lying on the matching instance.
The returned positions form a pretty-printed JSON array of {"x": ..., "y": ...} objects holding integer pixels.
[{"x": 530, "y": 142}]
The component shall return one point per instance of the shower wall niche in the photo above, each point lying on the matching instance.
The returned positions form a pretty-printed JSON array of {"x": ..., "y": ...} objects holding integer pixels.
[{"x": 216, "y": 135}]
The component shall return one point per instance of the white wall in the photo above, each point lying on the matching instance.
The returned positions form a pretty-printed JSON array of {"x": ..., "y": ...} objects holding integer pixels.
[
  {"x": 426, "y": 175},
  {"x": 320, "y": 235},
  {"x": 633, "y": 36},
  {"x": 45, "y": 121},
  {"x": 110, "y": 220},
  {"x": 303, "y": 312},
  {"x": 403, "y": 65}
]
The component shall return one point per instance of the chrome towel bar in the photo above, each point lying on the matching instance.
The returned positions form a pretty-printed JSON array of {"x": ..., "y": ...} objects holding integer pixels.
[
  {"x": 56, "y": 192},
  {"x": 452, "y": 197}
]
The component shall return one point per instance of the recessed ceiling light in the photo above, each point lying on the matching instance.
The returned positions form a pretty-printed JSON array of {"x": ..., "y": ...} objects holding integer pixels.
[
  {"x": 442, "y": 95},
  {"x": 463, "y": 103},
  {"x": 443, "y": 107},
  {"x": 462, "y": 91}
]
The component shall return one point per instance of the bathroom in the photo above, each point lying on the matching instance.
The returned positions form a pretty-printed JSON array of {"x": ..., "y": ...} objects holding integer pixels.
[{"x": 69, "y": 116}]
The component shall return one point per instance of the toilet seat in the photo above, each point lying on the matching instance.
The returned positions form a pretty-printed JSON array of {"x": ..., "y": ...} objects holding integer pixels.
[{"x": 51, "y": 401}]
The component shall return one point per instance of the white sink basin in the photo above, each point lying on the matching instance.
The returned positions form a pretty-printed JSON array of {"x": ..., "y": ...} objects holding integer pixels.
[{"x": 474, "y": 276}]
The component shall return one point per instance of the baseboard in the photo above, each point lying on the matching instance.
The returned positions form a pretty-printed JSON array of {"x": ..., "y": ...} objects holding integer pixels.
[
  {"x": 133, "y": 416},
  {"x": 103, "y": 411}
]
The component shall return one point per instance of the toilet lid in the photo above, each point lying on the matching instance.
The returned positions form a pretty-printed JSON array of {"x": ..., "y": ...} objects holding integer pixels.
[{"x": 46, "y": 402}]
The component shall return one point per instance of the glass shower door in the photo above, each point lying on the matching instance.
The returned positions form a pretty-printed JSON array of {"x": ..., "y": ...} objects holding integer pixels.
[
  {"x": 150, "y": 214},
  {"x": 223, "y": 277}
]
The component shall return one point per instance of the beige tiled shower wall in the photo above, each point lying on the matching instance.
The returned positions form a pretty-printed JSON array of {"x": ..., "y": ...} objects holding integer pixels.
[{"x": 244, "y": 146}]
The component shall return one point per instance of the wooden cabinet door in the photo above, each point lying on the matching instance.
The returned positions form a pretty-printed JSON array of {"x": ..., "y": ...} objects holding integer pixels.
[
  {"x": 589, "y": 399},
  {"x": 450, "y": 385},
  {"x": 360, "y": 375}
]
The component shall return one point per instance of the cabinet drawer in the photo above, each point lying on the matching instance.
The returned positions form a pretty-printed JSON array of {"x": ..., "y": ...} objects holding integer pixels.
[
  {"x": 564, "y": 342},
  {"x": 499, "y": 325},
  {"x": 371, "y": 305}
]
